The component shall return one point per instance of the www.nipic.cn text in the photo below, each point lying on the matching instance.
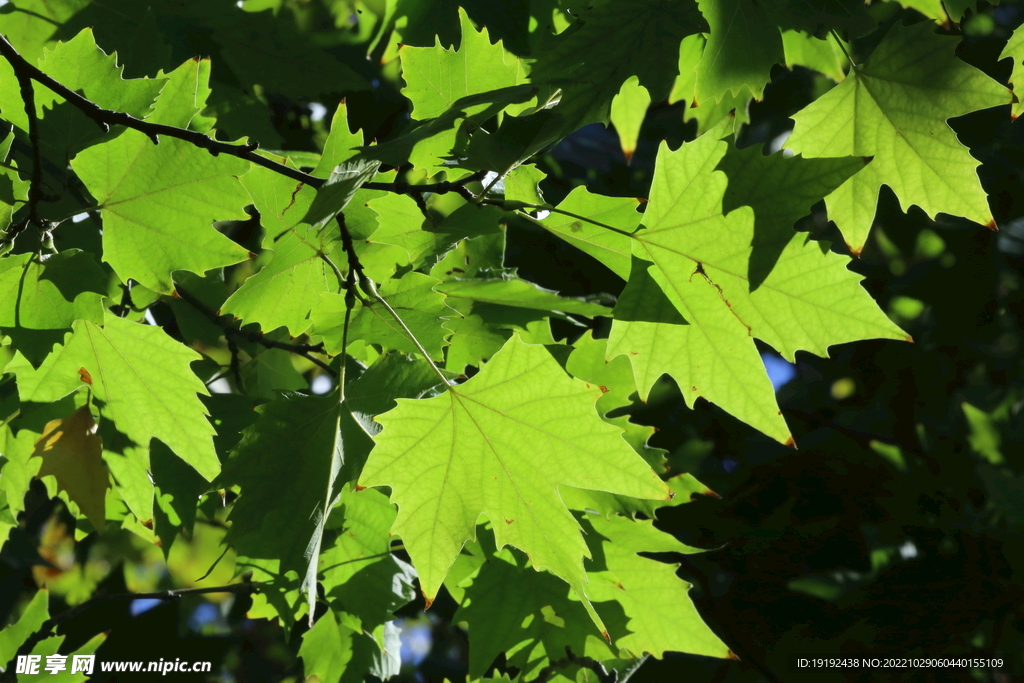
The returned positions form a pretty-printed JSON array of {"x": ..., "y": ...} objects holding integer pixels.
[{"x": 53, "y": 664}]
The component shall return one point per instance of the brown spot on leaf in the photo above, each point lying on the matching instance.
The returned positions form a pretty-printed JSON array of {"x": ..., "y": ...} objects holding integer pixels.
[
  {"x": 791, "y": 443},
  {"x": 693, "y": 104},
  {"x": 709, "y": 492},
  {"x": 428, "y": 601},
  {"x": 84, "y": 375},
  {"x": 991, "y": 225},
  {"x": 854, "y": 250},
  {"x": 509, "y": 521},
  {"x": 604, "y": 389},
  {"x": 908, "y": 338},
  {"x": 693, "y": 388},
  {"x": 619, "y": 585},
  {"x": 606, "y": 636},
  {"x": 732, "y": 655},
  {"x": 634, "y": 353},
  {"x": 148, "y": 524},
  {"x": 252, "y": 255},
  {"x": 360, "y": 487}
]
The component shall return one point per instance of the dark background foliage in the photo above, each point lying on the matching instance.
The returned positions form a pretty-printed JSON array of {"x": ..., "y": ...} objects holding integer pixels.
[{"x": 895, "y": 529}]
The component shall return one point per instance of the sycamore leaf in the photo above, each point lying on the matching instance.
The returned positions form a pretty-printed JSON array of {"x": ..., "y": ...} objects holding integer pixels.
[
  {"x": 413, "y": 298},
  {"x": 72, "y": 452},
  {"x": 518, "y": 293},
  {"x": 618, "y": 384},
  {"x": 81, "y": 66},
  {"x": 709, "y": 112},
  {"x": 159, "y": 202},
  {"x": 743, "y": 46},
  {"x": 1015, "y": 50},
  {"x": 392, "y": 376},
  {"x": 334, "y": 195},
  {"x": 610, "y": 247},
  {"x": 285, "y": 499},
  {"x": 143, "y": 378},
  {"x": 52, "y": 294},
  {"x": 894, "y": 108},
  {"x": 358, "y": 572},
  {"x": 661, "y": 615},
  {"x": 284, "y": 291},
  {"x": 593, "y": 58},
  {"x": 822, "y": 55},
  {"x": 340, "y": 145},
  {"x": 528, "y": 615},
  {"x": 727, "y": 278},
  {"x": 13, "y": 190},
  {"x": 629, "y": 108},
  {"x": 436, "y": 77},
  {"x": 500, "y": 445},
  {"x": 356, "y": 569},
  {"x": 31, "y": 620},
  {"x": 326, "y": 649},
  {"x": 522, "y": 184}
]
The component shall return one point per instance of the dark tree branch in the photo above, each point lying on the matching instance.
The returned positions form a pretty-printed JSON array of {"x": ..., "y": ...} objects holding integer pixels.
[
  {"x": 35, "y": 190},
  {"x": 231, "y": 331},
  {"x": 105, "y": 118},
  {"x": 47, "y": 628}
]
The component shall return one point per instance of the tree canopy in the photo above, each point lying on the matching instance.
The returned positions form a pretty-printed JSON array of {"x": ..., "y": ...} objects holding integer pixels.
[{"x": 364, "y": 338}]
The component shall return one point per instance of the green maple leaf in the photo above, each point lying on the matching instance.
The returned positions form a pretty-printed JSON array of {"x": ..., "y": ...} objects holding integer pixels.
[
  {"x": 51, "y": 295},
  {"x": 743, "y": 46},
  {"x": 284, "y": 503},
  {"x": 515, "y": 292},
  {"x": 143, "y": 378},
  {"x": 661, "y": 616},
  {"x": 392, "y": 376},
  {"x": 81, "y": 66},
  {"x": 610, "y": 247},
  {"x": 894, "y": 108},
  {"x": 435, "y": 77},
  {"x": 1015, "y": 50},
  {"x": 709, "y": 112},
  {"x": 284, "y": 291},
  {"x": 823, "y": 55},
  {"x": 527, "y": 615},
  {"x": 13, "y": 190},
  {"x": 730, "y": 273},
  {"x": 358, "y": 572},
  {"x": 413, "y": 298},
  {"x": 593, "y": 58},
  {"x": 501, "y": 444},
  {"x": 159, "y": 202}
]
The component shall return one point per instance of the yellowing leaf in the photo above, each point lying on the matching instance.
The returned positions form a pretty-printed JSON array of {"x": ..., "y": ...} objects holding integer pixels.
[{"x": 72, "y": 452}]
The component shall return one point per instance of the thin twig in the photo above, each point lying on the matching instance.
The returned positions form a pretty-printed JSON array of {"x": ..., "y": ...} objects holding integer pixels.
[
  {"x": 370, "y": 288},
  {"x": 47, "y": 627},
  {"x": 304, "y": 350},
  {"x": 105, "y": 118},
  {"x": 35, "y": 189}
]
